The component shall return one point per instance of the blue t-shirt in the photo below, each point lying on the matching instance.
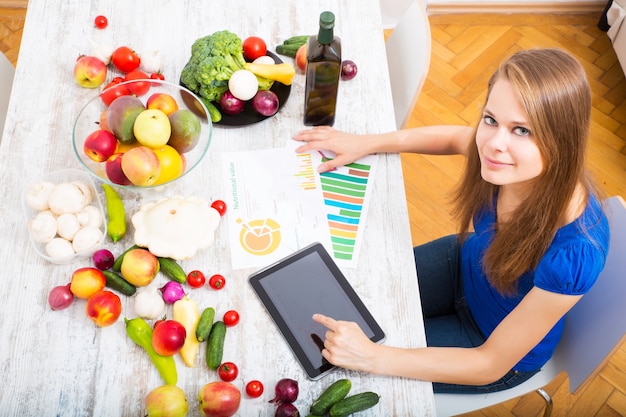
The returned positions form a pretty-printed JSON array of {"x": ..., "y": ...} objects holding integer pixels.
[{"x": 570, "y": 266}]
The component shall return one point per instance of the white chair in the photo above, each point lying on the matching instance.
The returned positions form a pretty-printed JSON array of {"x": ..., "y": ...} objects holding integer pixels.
[
  {"x": 408, "y": 58},
  {"x": 6, "y": 83},
  {"x": 593, "y": 329}
]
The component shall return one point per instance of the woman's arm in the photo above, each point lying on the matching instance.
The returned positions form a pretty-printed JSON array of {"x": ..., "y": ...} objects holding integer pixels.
[
  {"x": 435, "y": 140},
  {"x": 519, "y": 332}
]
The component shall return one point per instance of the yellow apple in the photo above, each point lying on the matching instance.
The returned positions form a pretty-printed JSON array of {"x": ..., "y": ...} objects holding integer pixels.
[
  {"x": 171, "y": 162},
  {"x": 152, "y": 128},
  {"x": 139, "y": 267}
]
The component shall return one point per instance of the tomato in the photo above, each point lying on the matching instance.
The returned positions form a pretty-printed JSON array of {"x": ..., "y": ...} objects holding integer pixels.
[
  {"x": 231, "y": 318},
  {"x": 220, "y": 206},
  {"x": 217, "y": 282},
  {"x": 138, "y": 88},
  {"x": 254, "y": 388},
  {"x": 254, "y": 47},
  {"x": 157, "y": 76},
  {"x": 228, "y": 371},
  {"x": 113, "y": 90},
  {"x": 196, "y": 279},
  {"x": 100, "y": 22},
  {"x": 168, "y": 337},
  {"x": 104, "y": 308},
  {"x": 125, "y": 59}
]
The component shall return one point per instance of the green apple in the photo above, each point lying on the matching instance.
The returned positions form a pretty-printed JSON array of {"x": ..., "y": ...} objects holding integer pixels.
[
  {"x": 121, "y": 116},
  {"x": 152, "y": 128},
  {"x": 186, "y": 130}
]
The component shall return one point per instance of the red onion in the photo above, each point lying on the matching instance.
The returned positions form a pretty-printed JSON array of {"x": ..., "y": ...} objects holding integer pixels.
[
  {"x": 286, "y": 391},
  {"x": 60, "y": 297},
  {"x": 348, "y": 70},
  {"x": 172, "y": 292},
  {"x": 265, "y": 102},
  {"x": 231, "y": 104},
  {"x": 103, "y": 259},
  {"x": 287, "y": 410}
]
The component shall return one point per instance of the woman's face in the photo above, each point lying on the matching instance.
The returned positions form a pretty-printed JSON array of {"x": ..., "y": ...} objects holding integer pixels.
[{"x": 508, "y": 151}]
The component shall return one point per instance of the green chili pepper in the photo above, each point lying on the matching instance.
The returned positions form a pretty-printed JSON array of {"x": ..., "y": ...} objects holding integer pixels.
[
  {"x": 116, "y": 227},
  {"x": 140, "y": 332}
]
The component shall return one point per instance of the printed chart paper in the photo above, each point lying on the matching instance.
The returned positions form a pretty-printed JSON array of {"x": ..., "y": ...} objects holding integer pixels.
[{"x": 278, "y": 203}]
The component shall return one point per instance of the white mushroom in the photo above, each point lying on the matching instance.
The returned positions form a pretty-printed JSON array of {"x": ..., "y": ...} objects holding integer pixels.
[
  {"x": 60, "y": 250},
  {"x": 86, "y": 241},
  {"x": 37, "y": 195},
  {"x": 43, "y": 228},
  {"x": 67, "y": 225},
  {"x": 85, "y": 188},
  {"x": 90, "y": 216},
  {"x": 68, "y": 198}
]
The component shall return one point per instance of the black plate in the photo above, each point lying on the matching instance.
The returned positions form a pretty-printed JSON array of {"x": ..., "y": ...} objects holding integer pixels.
[{"x": 249, "y": 116}]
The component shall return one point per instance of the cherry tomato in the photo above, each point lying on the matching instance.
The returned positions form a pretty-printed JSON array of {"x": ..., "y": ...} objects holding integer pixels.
[
  {"x": 254, "y": 388},
  {"x": 231, "y": 318},
  {"x": 138, "y": 88},
  {"x": 217, "y": 282},
  {"x": 254, "y": 47},
  {"x": 125, "y": 59},
  {"x": 112, "y": 90},
  {"x": 196, "y": 279},
  {"x": 101, "y": 22},
  {"x": 228, "y": 371},
  {"x": 157, "y": 76},
  {"x": 220, "y": 206},
  {"x": 168, "y": 337}
]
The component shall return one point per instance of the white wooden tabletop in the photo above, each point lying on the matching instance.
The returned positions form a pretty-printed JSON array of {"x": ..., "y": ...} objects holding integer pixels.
[{"x": 58, "y": 363}]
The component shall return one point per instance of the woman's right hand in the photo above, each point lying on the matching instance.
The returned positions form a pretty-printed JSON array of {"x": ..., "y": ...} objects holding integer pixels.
[{"x": 347, "y": 147}]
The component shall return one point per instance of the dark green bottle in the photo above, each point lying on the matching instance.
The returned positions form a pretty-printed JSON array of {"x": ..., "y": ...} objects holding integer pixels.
[{"x": 323, "y": 69}]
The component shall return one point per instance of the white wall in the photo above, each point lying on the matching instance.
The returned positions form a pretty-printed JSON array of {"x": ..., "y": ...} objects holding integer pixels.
[{"x": 391, "y": 10}]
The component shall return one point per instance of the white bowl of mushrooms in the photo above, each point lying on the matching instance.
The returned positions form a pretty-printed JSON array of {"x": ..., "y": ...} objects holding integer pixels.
[{"x": 64, "y": 216}]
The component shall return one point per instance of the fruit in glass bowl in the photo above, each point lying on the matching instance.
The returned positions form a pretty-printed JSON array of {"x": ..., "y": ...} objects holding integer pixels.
[{"x": 161, "y": 134}]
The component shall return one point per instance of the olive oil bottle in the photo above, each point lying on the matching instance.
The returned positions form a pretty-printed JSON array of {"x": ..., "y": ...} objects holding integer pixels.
[{"x": 323, "y": 69}]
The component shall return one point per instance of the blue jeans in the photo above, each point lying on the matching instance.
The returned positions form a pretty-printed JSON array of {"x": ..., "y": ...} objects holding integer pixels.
[{"x": 447, "y": 317}]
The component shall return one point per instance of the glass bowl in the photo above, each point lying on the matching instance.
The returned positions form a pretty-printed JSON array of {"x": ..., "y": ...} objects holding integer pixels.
[
  {"x": 64, "y": 206},
  {"x": 161, "y": 129}
]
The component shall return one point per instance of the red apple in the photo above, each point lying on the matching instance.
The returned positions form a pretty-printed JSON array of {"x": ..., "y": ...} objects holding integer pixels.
[
  {"x": 100, "y": 145},
  {"x": 89, "y": 71},
  {"x": 168, "y": 337},
  {"x": 141, "y": 166},
  {"x": 104, "y": 308},
  {"x": 301, "y": 57},
  {"x": 139, "y": 266},
  {"x": 113, "y": 169},
  {"x": 162, "y": 101},
  {"x": 219, "y": 399}
]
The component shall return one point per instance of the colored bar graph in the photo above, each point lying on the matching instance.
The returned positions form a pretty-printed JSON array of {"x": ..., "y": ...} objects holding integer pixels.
[{"x": 344, "y": 191}]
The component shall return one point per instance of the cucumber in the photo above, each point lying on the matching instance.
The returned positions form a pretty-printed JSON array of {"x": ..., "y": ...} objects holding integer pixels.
[
  {"x": 298, "y": 39},
  {"x": 118, "y": 283},
  {"x": 204, "y": 325},
  {"x": 287, "y": 50},
  {"x": 172, "y": 270},
  {"x": 117, "y": 265},
  {"x": 354, "y": 403},
  {"x": 215, "y": 345},
  {"x": 333, "y": 394}
]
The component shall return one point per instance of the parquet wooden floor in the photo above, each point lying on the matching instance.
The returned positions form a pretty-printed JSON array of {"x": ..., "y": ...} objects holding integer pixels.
[{"x": 465, "y": 50}]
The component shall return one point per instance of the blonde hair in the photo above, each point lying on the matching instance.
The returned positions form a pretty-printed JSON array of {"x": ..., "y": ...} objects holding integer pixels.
[{"x": 553, "y": 90}]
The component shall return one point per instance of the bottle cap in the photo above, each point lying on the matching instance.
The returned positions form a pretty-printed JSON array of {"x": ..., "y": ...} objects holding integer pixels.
[{"x": 327, "y": 20}]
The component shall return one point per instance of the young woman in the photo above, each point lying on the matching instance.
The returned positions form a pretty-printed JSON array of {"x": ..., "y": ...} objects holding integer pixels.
[{"x": 533, "y": 236}]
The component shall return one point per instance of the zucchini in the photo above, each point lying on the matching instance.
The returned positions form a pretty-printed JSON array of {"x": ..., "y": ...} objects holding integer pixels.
[
  {"x": 354, "y": 403},
  {"x": 172, "y": 270},
  {"x": 333, "y": 394},
  {"x": 118, "y": 283},
  {"x": 215, "y": 345},
  {"x": 204, "y": 325},
  {"x": 117, "y": 265}
]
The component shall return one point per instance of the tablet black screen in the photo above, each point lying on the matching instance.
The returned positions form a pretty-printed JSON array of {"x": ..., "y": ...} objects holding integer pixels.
[{"x": 305, "y": 283}]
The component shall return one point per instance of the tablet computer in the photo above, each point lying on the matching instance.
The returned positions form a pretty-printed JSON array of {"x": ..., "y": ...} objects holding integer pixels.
[{"x": 304, "y": 283}]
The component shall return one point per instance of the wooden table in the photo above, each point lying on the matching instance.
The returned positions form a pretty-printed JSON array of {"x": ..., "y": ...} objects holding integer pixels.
[{"x": 60, "y": 363}]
